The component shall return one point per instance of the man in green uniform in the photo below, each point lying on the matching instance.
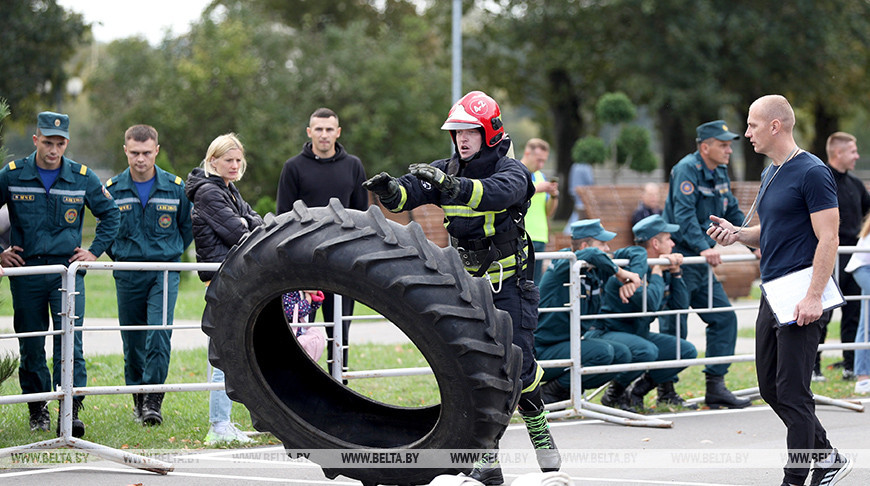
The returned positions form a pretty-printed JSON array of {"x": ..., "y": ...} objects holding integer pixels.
[
  {"x": 46, "y": 194},
  {"x": 700, "y": 187},
  {"x": 553, "y": 335},
  {"x": 665, "y": 290},
  {"x": 155, "y": 227}
]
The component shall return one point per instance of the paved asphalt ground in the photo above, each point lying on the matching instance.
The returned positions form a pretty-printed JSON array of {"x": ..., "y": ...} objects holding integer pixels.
[{"x": 709, "y": 448}]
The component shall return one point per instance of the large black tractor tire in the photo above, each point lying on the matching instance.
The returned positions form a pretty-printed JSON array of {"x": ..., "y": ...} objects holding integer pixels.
[{"x": 394, "y": 269}]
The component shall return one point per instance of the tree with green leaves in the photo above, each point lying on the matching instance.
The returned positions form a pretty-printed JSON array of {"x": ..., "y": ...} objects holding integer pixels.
[
  {"x": 686, "y": 61},
  {"x": 37, "y": 37},
  {"x": 551, "y": 56},
  {"x": 242, "y": 69}
]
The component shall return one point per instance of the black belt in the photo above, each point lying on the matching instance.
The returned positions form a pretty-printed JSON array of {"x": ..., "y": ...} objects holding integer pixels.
[{"x": 483, "y": 252}]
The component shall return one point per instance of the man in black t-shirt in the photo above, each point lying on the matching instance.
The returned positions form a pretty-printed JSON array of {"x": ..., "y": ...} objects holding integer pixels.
[{"x": 799, "y": 215}]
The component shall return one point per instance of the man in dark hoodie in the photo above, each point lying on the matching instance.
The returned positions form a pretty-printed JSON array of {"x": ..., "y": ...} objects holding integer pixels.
[
  {"x": 324, "y": 170},
  {"x": 485, "y": 194}
]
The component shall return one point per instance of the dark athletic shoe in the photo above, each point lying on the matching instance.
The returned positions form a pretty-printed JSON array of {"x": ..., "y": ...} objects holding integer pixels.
[
  {"x": 487, "y": 471},
  {"x": 829, "y": 476}
]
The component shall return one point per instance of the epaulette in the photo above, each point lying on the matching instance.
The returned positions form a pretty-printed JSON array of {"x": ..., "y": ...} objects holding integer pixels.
[
  {"x": 178, "y": 180},
  {"x": 110, "y": 182},
  {"x": 83, "y": 170},
  {"x": 13, "y": 165}
]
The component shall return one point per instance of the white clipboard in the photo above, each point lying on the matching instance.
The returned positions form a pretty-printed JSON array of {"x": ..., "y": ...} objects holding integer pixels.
[{"x": 784, "y": 293}]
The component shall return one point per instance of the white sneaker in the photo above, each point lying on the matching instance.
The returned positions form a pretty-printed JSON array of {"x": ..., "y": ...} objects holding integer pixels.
[
  {"x": 225, "y": 432},
  {"x": 862, "y": 387}
]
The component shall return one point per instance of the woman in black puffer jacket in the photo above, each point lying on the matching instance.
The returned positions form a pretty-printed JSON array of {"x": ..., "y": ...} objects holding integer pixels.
[{"x": 220, "y": 218}]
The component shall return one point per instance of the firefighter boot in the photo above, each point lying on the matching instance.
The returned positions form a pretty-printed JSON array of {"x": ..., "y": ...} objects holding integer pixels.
[
  {"x": 553, "y": 391},
  {"x": 137, "y": 406},
  {"x": 638, "y": 390},
  {"x": 151, "y": 409},
  {"x": 78, "y": 427},
  {"x": 719, "y": 396},
  {"x": 39, "y": 417},
  {"x": 487, "y": 470},
  {"x": 668, "y": 396},
  {"x": 615, "y": 397},
  {"x": 542, "y": 440}
]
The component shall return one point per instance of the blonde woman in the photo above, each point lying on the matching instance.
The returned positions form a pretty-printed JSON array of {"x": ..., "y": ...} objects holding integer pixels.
[
  {"x": 220, "y": 218},
  {"x": 859, "y": 265}
]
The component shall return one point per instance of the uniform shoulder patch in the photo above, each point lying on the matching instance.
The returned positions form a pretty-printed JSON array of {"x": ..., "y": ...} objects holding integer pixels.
[
  {"x": 83, "y": 170},
  {"x": 110, "y": 182},
  {"x": 13, "y": 166},
  {"x": 687, "y": 187},
  {"x": 177, "y": 180}
]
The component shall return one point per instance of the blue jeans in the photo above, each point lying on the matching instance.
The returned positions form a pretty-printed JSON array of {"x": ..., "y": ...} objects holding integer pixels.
[
  {"x": 219, "y": 404},
  {"x": 862, "y": 356}
]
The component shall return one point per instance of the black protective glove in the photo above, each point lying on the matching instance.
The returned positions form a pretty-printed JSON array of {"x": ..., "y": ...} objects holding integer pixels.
[
  {"x": 448, "y": 185},
  {"x": 384, "y": 185}
]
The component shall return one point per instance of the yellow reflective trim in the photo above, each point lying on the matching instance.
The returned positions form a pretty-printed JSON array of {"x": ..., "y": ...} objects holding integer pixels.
[
  {"x": 467, "y": 212},
  {"x": 489, "y": 224},
  {"x": 402, "y": 200},
  {"x": 476, "y": 193},
  {"x": 538, "y": 375},
  {"x": 496, "y": 273},
  {"x": 496, "y": 276}
]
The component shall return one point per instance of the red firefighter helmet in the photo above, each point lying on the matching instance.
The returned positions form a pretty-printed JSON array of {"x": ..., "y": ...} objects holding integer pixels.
[{"x": 476, "y": 110}]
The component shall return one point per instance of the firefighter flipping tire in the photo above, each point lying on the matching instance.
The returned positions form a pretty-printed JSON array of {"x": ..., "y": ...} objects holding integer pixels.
[{"x": 394, "y": 269}]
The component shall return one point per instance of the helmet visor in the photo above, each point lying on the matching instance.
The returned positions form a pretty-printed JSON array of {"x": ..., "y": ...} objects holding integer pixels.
[{"x": 455, "y": 125}]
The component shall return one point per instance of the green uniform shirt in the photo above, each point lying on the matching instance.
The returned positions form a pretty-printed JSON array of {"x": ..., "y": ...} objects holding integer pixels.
[
  {"x": 695, "y": 193},
  {"x": 158, "y": 232},
  {"x": 50, "y": 223},
  {"x": 663, "y": 292},
  {"x": 554, "y": 327}
]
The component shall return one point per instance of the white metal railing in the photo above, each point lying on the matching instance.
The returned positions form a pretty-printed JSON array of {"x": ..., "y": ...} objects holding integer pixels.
[
  {"x": 67, "y": 392},
  {"x": 577, "y": 405},
  {"x": 582, "y": 405}
]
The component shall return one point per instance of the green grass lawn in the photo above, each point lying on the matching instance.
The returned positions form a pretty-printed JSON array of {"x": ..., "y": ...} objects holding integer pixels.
[{"x": 109, "y": 418}]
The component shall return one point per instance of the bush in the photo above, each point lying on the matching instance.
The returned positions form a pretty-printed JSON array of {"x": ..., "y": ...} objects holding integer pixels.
[
  {"x": 615, "y": 108},
  {"x": 265, "y": 205},
  {"x": 589, "y": 150}
]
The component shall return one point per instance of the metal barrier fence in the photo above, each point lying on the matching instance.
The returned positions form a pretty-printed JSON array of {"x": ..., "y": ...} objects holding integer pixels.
[
  {"x": 67, "y": 391},
  {"x": 578, "y": 405}
]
